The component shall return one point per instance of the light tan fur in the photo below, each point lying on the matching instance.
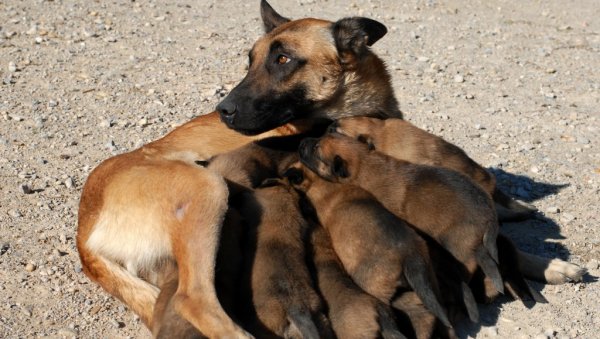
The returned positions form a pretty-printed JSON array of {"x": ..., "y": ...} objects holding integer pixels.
[{"x": 142, "y": 208}]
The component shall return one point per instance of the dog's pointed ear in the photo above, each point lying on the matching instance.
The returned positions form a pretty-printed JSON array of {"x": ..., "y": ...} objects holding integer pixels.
[
  {"x": 339, "y": 167},
  {"x": 354, "y": 35},
  {"x": 270, "y": 18}
]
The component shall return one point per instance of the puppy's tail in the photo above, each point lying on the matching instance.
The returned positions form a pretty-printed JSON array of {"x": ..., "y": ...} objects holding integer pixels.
[
  {"x": 489, "y": 240},
  {"x": 422, "y": 280},
  {"x": 489, "y": 267},
  {"x": 514, "y": 281},
  {"x": 510, "y": 209},
  {"x": 387, "y": 324},
  {"x": 301, "y": 325}
]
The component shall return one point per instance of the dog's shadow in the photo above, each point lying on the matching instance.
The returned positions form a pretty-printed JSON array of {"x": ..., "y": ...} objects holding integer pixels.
[{"x": 537, "y": 235}]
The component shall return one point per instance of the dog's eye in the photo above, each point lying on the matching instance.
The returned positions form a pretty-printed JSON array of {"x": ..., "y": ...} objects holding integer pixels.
[{"x": 283, "y": 59}]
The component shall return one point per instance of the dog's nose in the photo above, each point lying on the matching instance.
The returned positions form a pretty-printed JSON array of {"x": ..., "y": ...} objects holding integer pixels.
[{"x": 227, "y": 110}]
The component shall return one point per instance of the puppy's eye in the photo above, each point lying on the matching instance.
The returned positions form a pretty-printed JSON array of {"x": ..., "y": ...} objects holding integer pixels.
[{"x": 283, "y": 59}]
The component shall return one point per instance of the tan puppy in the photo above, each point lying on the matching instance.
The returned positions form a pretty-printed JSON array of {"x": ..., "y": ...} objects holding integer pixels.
[
  {"x": 353, "y": 313},
  {"x": 379, "y": 251},
  {"x": 284, "y": 301},
  {"x": 402, "y": 140},
  {"x": 444, "y": 204}
]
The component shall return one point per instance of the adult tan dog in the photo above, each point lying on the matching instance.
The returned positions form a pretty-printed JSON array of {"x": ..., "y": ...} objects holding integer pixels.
[
  {"x": 402, "y": 140},
  {"x": 154, "y": 204}
]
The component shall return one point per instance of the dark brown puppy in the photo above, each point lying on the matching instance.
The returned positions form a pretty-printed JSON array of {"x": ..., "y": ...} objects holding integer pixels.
[
  {"x": 283, "y": 300},
  {"x": 381, "y": 253},
  {"x": 353, "y": 313},
  {"x": 402, "y": 140},
  {"x": 444, "y": 204}
]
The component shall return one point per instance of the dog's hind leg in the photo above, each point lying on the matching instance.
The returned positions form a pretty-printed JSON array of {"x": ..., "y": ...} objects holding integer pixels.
[
  {"x": 195, "y": 245},
  {"x": 550, "y": 271},
  {"x": 136, "y": 293},
  {"x": 510, "y": 209}
]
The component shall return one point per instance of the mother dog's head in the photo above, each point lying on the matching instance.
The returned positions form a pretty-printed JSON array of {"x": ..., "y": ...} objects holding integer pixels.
[{"x": 310, "y": 68}]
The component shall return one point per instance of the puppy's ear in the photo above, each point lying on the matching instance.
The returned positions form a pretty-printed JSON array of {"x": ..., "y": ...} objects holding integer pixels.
[
  {"x": 354, "y": 35},
  {"x": 366, "y": 139},
  {"x": 294, "y": 175},
  {"x": 270, "y": 18},
  {"x": 339, "y": 167}
]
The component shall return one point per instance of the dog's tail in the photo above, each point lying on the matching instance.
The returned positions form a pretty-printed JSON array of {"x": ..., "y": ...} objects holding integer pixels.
[
  {"x": 387, "y": 323},
  {"x": 510, "y": 209},
  {"x": 489, "y": 267},
  {"x": 301, "y": 325},
  {"x": 422, "y": 280}
]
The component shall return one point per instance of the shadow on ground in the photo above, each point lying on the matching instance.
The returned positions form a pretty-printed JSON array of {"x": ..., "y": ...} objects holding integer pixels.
[{"x": 537, "y": 235}]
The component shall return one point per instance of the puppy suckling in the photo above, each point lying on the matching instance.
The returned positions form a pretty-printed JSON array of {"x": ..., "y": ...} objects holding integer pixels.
[
  {"x": 353, "y": 313},
  {"x": 279, "y": 286},
  {"x": 402, "y": 140},
  {"x": 444, "y": 204},
  {"x": 382, "y": 254}
]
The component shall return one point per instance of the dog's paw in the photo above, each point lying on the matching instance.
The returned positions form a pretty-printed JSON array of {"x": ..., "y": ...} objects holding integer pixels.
[{"x": 560, "y": 272}]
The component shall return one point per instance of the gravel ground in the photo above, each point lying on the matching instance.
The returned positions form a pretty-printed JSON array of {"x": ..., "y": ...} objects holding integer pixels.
[{"x": 515, "y": 83}]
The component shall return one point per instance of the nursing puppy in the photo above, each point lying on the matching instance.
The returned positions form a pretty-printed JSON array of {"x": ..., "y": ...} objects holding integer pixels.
[
  {"x": 402, "y": 140},
  {"x": 283, "y": 301},
  {"x": 353, "y": 313},
  {"x": 381, "y": 253},
  {"x": 444, "y": 204}
]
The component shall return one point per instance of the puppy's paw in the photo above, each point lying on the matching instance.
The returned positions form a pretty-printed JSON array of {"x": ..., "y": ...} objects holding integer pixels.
[{"x": 560, "y": 272}]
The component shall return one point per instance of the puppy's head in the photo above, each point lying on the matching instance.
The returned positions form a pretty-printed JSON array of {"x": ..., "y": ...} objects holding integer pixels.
[
  {"x": 363, "y": 129},
  {"x": 298, "y": 69},
  {"x": 333, "y": 157}
]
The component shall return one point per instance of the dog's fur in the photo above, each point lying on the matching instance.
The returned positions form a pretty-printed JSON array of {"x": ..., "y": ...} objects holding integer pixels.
[
  {"x": 279, "y": 284},
  {"x": 353, "y": 313},
  {"x": 402, "y": 140},
  {"x": 131, "y": 205},
  {"x": 442, "y": 203},
  {"x": 379, "y": 251}
]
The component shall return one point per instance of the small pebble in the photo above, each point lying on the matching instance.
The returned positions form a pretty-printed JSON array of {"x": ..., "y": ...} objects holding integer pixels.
[
  {"x": 38, "y": 40},
  {"x": 423, "y": 59},
  {"x": 12, "y": 67},
  {"x": 459, "y": 78},
  {"x": 592, "y": 264},
  {"x": 553, "y": 210},
  {"x": 567, "y": 217},
  {"x": 30, "y": 267},
  {"x": 69, "y": 182},
  {"x": 26, "y": 189}
]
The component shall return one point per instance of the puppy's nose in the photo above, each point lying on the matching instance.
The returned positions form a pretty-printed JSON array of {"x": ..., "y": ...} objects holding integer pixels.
[
  {"x": 333, "y": 127},
  {"x": 227, "y": 110}
]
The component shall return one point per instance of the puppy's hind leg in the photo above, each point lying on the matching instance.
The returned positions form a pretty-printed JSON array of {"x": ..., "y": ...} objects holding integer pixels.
[
  {"x": 489, "y": 267},
  {"x": 550, "y": 271},
  {"x": 195, "y": 245}
]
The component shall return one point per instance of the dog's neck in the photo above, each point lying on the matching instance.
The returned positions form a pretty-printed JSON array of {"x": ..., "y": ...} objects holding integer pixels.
[{"x": 366, "y": 90}]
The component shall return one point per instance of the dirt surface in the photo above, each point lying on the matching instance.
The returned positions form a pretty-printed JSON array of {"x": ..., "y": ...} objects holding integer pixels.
[{"x": 515, "y": 83}]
